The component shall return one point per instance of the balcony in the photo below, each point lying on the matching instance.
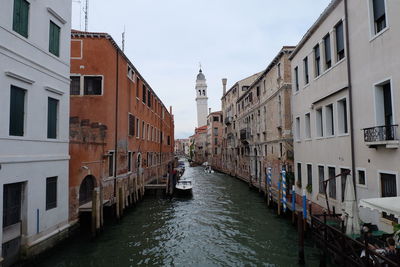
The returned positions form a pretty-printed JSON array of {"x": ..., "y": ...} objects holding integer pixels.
[
  {"x": 244, "y": 134},
  {"x": 228, "y": 120},
  {"x": 385, "y": 136}
]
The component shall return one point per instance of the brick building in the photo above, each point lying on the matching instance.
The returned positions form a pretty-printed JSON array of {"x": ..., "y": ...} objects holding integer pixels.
[
  {"x": 121, "y": 134},
  {"x": 214, "y": 139}
]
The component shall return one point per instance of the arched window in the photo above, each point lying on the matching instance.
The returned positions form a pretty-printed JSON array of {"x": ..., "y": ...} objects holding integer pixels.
[{"x": 86, "y": 189}]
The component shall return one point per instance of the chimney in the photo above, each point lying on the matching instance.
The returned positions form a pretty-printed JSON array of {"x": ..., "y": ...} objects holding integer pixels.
[{"x": 224, "y": 80}]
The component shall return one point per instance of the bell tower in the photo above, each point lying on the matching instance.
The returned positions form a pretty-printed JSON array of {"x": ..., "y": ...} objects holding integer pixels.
[{"x": 201, "y": 99}]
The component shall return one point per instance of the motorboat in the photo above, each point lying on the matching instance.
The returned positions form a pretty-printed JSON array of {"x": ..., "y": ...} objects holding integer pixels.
[
  {"x": 208, "y": 169},
  {"x": 184, "y": 186}
]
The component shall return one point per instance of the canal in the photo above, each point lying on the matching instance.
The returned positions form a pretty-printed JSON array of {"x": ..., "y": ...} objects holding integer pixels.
[{"x": 223, "y": 224}]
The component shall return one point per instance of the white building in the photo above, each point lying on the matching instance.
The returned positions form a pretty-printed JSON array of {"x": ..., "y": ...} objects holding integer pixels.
[
  {"x": 201, "y": 99},
  {"x": 345, "y": 118},
  {"x": 34, "y": 101}
]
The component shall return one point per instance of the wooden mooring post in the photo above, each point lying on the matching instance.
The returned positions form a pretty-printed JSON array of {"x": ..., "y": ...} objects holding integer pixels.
[{"x": 300, "y": 230}]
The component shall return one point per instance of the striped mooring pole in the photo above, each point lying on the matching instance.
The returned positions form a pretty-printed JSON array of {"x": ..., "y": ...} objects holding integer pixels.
[
  {"x": 304, "y": 204},
  {"x": 270, "y": 183},
  {"x": 284, "y": 200}
]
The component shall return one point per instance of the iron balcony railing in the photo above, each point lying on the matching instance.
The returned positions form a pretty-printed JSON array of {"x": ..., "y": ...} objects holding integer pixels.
[{"x": 380, "y": 133}]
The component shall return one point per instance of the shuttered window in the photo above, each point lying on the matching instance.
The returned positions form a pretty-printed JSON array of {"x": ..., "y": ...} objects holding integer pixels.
[
  {"x": 131, "y": 130},
  {"x": 54, "y": 39},
  {"x": 339, "y": 41},
  {"x": 379, "y": 15},
  {"x": 328, "y": 57},
  {"x": 21, "y": 17},
  {"x": 52, "y": 117},
  {"x": 51, "y": 193},
  {"x": 309, "y": 174},
  {"x": 389, "y": 189},
  {"x": 17, "y": 111},
  {"x": 12, "y": 195}
]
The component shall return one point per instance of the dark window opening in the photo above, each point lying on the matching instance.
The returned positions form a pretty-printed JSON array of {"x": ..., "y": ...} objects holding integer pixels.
[
  {"x": 51, "y": 192},
  {"x": 379, "y": 15},
  {"x": 299, "y": 182},
  {"x": 17, "y": 111},
  {"x": 306, "y": 76},
  {"x": 52, "y": 118},
  {"x": 75, "y": 85},
  {"x": 12, "y": 202},
  {"x": 332, "y": 183},
  {"x": 317, "y": 60},
  {"x": 309, "y": 174},
  {"x": 131, "y": 130},
  {"x": 296, "y": 77},
  {"x": 339, "y": 41},
  {"x": 321, "y": 178},
  {"x": 328, "y": 57},
  {"x": 144, "y": 94},
  {"x": 389, "y": 189},
  {"x": 361, "y": 177},
  {"x": 92, "y": 85},
  {"x": 111, "y": 163}
]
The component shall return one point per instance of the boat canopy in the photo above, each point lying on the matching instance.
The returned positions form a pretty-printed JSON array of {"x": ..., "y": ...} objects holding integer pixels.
[{"x": 390, "y": 205}]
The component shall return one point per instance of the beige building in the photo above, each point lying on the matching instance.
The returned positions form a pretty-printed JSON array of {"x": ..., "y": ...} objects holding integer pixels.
[
  {"x": 200, "y": 145},
  {"x": 264, "y": 121},
  {"x": 214, "y": 139},
  {"x": 345, "y": 117},
  {"x": 230, "y": 152}
]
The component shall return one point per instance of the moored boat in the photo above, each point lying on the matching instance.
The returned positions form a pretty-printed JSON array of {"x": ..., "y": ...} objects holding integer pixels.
[{"x": 184, "y": 187}]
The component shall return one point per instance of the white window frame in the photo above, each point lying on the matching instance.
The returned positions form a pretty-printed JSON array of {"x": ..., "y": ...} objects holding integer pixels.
[
  {"x": 332, "y": 132},
  {"x": 373, "y": 34},
  {"x": 298, "y": 129},
  {"x": 327, "y": 172},
  {"x": 358, "y": 178},
  {"x": 83, "y": 84},
  {"x": 378, "y": 86},
  {"x": 379, "y": 172},
  {"x": 323, "y": 166},
  {"x": 307, "y": 132},
  {"x": 338, "y": 122},
  {"x": 317, "y": 134}
]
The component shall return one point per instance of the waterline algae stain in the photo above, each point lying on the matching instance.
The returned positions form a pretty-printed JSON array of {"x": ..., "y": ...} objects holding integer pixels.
[{"x": 223, "y": 224}]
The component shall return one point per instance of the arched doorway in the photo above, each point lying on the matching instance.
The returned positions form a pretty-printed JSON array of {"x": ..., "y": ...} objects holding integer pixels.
[{"x": 86, "y": 189}]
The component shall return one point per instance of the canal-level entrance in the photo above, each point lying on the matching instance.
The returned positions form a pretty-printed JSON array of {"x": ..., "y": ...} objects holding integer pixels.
[{"x": 222, "y": 224}]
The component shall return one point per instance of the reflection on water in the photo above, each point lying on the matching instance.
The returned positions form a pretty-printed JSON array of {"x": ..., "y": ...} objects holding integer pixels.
[{"x": 223, "y": 224}]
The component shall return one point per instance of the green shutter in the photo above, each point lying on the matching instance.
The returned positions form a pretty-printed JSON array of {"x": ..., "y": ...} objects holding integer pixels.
[
  {"x": 54, "y": 39},
  {"x": 21, "y": 17},
  {"x": 52, "y": 118},
  {"x": 17, "y": 111}
]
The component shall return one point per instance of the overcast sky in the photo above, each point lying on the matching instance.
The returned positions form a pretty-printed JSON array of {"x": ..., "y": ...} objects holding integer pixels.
[{"x": 166, "y": 40}]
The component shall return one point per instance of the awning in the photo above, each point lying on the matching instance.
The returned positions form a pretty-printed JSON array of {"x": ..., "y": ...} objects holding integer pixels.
[{"x": 390, "y": 205}]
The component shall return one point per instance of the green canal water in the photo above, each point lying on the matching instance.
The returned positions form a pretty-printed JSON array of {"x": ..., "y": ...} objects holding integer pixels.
[{"x": 223, "y": 224}]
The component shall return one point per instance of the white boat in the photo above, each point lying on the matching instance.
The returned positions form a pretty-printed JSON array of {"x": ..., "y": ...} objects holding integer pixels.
[
  {"x": 208, "y": 169},
  {"x": 184, "y": 187}
]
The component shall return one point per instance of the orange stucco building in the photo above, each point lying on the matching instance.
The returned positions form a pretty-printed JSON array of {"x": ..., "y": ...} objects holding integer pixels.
[{"x": 121, "y": 134}]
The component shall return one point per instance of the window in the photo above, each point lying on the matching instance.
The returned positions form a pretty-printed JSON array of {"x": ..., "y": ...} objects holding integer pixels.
[
  {"x": 143, "y": 130},
  {"x": 339, "y": 41},
  {"x": 148, "y": 98},
  {"x": 258, "y": 91},
  {"x": 309, "y": 174},
  {"x": 137, "y": 128},
  {"x": 54, "y": 39},
  {"x": 296, "y": 78},
  {"x": 279, "y": 70},
  {"x": 21, "y": 17},
  {"x": 328, "y": 56},
  {"x": 216, "y": 150},
  {"x": 215, "y": 141},
  {"x": 17, "y": 111},
  {"x": 215, "y": 131},
  {"x": 361, "y": 177},
  {"x": 215, "y": 118},
  {"x": 332, "y": 183},
  {"x": 343, "y": 178},
  {"x": 297, "y": 128},
  {"x": 383, "y": 106},
  {"x": 317, "y": 58},
  {"x": 137, "y": 87},
  {"x": 379, "y": 15},
  {"x": 307, "y": 126},
  {"x": 130, "y": 73},
  {"x": 319, "y": 123},
  {"x": 111, "y": 163},
  {"x": 129, "y": 161},
  {"x": 299, "y": 175},
  {"x": 168, "y": 140},
  {"x": 93, "y": 85},
  {"x": 148, "y": 132},
  {"x": 75, "y": 85},
  {"x": 280, "y": 150},
  {"x": 131, "y": 126},
  {"x": 342, "y": 116},
  {"x": 330, "y": 128},
  {"x": 144, "y": 93},
  {"x": 52, "y": 117},
  {"x": 389, "y": 189},
  {"x": 51, "y": 192},
  {"x": 306, "y": 76},
  {"x": 321, "y": 179}
]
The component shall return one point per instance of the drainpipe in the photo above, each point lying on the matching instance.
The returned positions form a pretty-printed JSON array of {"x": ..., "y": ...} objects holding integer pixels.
[
  {"x": 116, "y": 123},
  {"x": 353, "y": 164}
]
